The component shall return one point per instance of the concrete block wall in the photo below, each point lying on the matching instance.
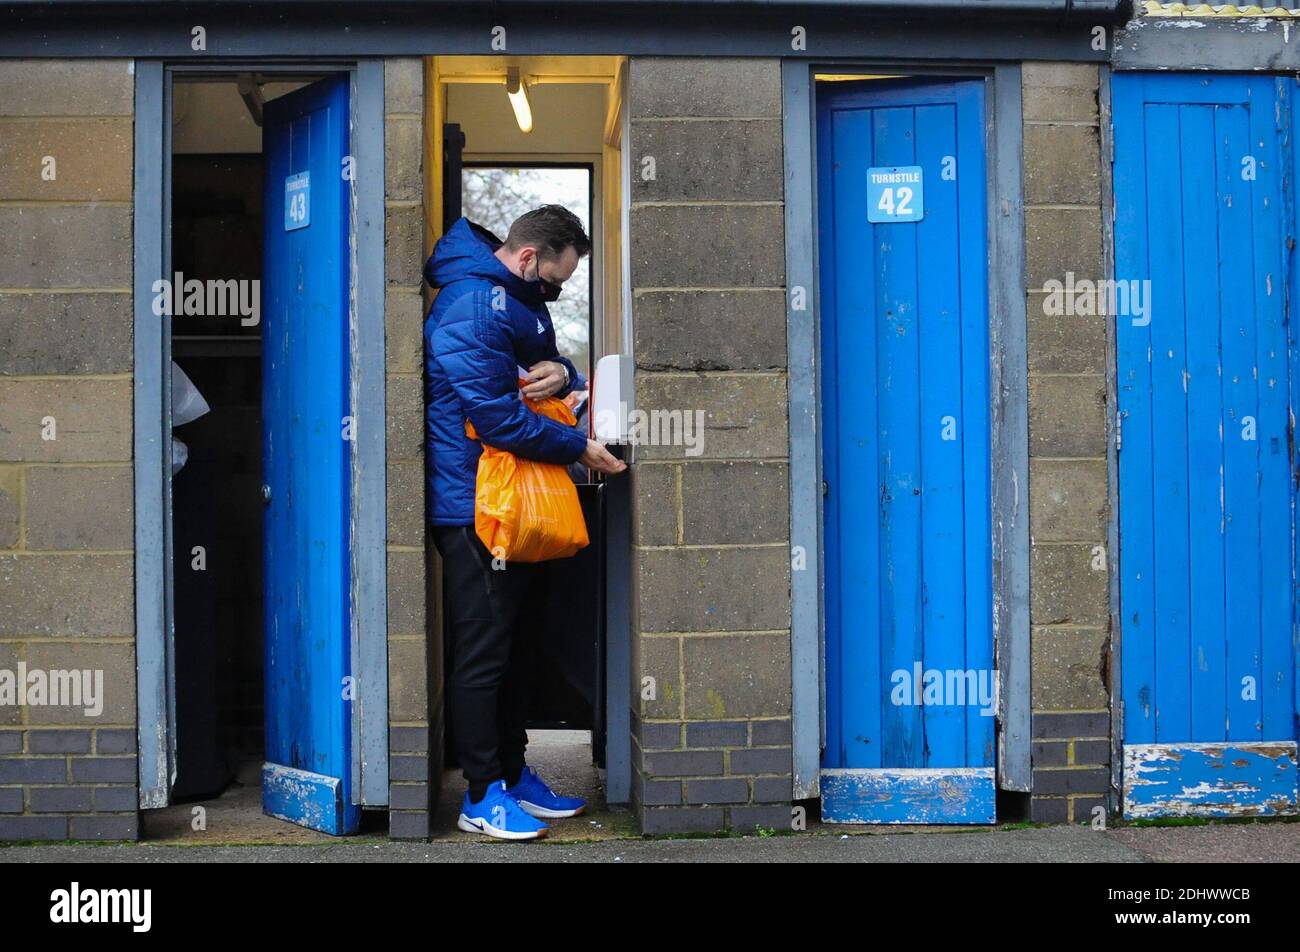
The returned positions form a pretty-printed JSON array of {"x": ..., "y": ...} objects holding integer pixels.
[
  {"x": 67, "y": 597},
  {"x": 411, "y": 748},
  {"x": 1068, "y": 483},
  {"x": 711, "y": 531}
]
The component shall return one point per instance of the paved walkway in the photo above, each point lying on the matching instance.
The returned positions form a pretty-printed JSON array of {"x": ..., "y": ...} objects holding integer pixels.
[{"x": 1253, "y": 843}]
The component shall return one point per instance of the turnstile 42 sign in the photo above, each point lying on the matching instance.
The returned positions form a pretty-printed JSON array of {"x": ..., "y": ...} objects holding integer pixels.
[{"x": 895, "y": 194}]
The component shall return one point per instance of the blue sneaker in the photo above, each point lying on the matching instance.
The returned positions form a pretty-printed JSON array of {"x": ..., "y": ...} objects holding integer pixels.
[
  {"x": 540, "y": 800},
  {"x": 498, "y": 814}
]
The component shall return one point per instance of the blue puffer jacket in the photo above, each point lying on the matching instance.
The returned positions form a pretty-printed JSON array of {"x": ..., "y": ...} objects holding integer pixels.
[{"x": 471, "y": 351}]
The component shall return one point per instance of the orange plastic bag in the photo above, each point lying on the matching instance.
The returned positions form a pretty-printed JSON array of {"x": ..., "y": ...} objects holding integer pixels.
[{"x": 526, "y": 511}]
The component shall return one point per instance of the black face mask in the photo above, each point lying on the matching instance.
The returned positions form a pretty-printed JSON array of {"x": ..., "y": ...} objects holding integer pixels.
[{"x": 550, "y": 290}]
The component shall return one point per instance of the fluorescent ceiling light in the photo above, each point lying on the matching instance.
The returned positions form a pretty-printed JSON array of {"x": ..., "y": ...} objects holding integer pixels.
[{"x": 517, "y": 90}]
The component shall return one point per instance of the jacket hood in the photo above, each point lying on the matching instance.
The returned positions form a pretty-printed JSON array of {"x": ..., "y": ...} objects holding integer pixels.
[{"x": 467, "y": 250}]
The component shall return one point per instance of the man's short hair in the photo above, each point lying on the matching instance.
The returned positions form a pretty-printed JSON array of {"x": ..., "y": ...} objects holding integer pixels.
[{"x": 550, "y": 229}]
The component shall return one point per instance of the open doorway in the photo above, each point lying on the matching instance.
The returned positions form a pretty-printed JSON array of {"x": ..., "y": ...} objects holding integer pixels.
[
  {"x": 507, "y": 134},
  {"x": 259, "y": 316}
]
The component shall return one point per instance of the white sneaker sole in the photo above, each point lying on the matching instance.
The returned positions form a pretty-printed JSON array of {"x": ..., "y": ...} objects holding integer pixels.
[
  {"x": 487, "y": 829},
  {"x": 542, "y": 813}
]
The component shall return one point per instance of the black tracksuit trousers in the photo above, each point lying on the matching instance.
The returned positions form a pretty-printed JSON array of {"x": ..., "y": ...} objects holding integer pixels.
[{"x": 487, "y": 683}]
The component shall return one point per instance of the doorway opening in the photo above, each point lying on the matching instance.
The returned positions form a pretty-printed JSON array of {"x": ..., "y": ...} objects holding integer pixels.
[
  {"x": 259, "y": 548},
  {"x": 504, "y": 135}
]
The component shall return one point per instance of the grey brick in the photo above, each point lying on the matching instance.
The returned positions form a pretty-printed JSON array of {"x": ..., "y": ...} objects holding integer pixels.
[
  {"x": 777, "y": 818},
  {"x": 92, "y": 155},
  {"x": 111, "y": 741},
  {"x": 103, "y": 769},
  {"x": 403, "y": 155},
  {"x": 1062, "y": 164},
  {"x": 1061, "y": 240},
  {"x": 92, "y": 419},
  {"x": 405, "y": 417},
  {"x": 1084, "y": 808},
  {"x": 408, "y": 825},
  {"x": 406, "y": 595},
  {"x": 730, "y": 589},
  {"x": 1092, "y": 752},
  {"x": 86, "y": 333},
  {"x": 744, "y": 416},
  {"x": 408, "y": 796},
  {"x": 403, "y": 84},
  {"x": 1064, "y": 587},
  {"x": 735, "y": 502},
  {"x": 659, "y": 793},
  {"x": 728, "y": 790},
  {"x": 116, "y": 661},
  {"x": 1070, "y": 780},
  {"x": 10, "y": 498},
  {"x": 403, "y": 331},
  {"x": 654, "y": 504},
  {"x": 768, "y": 733},
  {"x": 731, "y": 676},
  {"x": 1064, "y": 344},
  {"x": 656, "y": 821},
  {"x": 58, "y": 742},
  {"x": 66, "y": 246},
  {"x": 413, "y": 739},
  {"x": 1049, "y": 810},
  {"x": 746, "y": 246},
  {"x": 1067, "y": 668},
  {"x": 67, "y": 87},
  {"x": 658, "y": 660},
  {"x": 721, "y": 160},
  {"x": 59, "y": 799},
  {"x": 33, "y": 828},
  {"x": 683, "y": 763},
  {"x": 408, "y": 685},
  {"x": 773, "y": 789},
  {"x": 1067, "y": 415},
  {"x": 124, "y": 826},
  {"x": 36, "y": 769},
  {"x": 404, "y": 245},
  {"x": 1070, "y": 724},
  {"x": 415, "y": 768},
  {"x": 11, "y": 799},
  {"x": 660, "y": 735},
  {"x": 1068, "y": 500},
  {"x": 54, "y": 524},
  {"x": 763, "y": 760},
  {"x": 1050, "y": 753},
  {"x": 709, "y": 330},
  {"x": 717, "y": 733},
  {"x": 116, "y": 799},
  {"x": 694, "y": 86},
  {"x": 11, "y": 742}
]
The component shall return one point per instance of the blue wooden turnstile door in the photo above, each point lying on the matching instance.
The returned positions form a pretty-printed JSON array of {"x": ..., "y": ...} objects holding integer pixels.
[
  {"x": 910, "y": 682},
  {"x": 1204, "y": 213},
  {"x": 307, "y": 776}
]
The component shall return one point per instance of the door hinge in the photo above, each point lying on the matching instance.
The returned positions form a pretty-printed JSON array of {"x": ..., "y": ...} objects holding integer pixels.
[
  {"x": 826, "y": 488},
  {"x": 1119, "y": 430}
]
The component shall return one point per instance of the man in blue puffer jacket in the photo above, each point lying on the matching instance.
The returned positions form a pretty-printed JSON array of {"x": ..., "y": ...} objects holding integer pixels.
[{"x": 489, "y": 320}]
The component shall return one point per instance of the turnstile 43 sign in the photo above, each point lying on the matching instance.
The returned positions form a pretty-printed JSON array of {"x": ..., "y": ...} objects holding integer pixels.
[{"x": 895, "y": 194}]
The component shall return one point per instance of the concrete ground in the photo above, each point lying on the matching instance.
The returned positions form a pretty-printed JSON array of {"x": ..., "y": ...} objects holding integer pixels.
[{"x": 235, "y": 830}]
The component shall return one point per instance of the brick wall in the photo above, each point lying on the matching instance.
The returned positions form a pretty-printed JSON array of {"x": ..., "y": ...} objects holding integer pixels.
[
  {"x": 711, "y": 556},
  {"x": 66, "y": 529},
  {"x": 412, "y": 784},
  {"x": 1068, "y": 490}
]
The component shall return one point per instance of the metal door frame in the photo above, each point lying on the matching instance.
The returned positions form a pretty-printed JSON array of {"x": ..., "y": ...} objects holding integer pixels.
[
  {"x": 1008, "y": 388},
  {"x": 152, "y": 218}
]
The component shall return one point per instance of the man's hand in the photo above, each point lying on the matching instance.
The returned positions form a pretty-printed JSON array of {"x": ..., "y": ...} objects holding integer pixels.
[
  {"x": 600, "y": 459},
  {"x": 547, "y": 378}
]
